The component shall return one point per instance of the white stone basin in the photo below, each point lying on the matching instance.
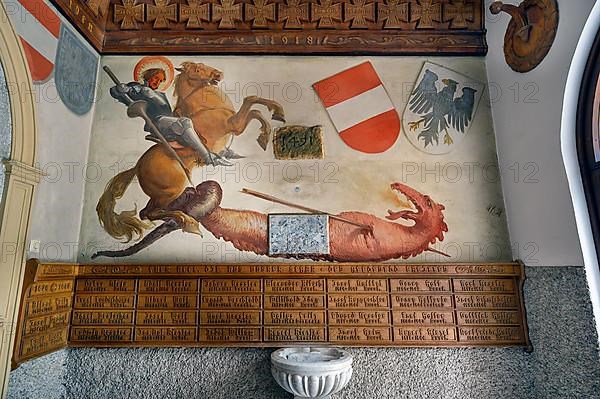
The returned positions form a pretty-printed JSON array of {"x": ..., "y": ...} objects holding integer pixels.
[{"x": 311, "y": 372}]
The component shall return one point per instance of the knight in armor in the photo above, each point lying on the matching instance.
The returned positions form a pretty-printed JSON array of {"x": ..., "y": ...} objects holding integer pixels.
[{"x": 175, "y": 129}]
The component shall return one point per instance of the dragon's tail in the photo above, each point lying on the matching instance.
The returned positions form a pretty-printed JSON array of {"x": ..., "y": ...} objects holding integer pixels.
[{"x": 159, "y": 232}]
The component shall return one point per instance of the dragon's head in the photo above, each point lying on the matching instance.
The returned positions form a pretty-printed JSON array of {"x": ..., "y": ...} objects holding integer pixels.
[{"x": 426, "y": 213}]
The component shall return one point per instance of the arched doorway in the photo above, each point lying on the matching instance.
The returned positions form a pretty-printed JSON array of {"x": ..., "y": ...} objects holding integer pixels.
[
  {"x": 577, "y": 144},
  {"x": 21, "y": 178},
  {"x": 588, "y": 137}
]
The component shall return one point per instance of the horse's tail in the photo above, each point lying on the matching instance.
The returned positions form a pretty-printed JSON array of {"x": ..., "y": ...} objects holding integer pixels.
[{"x": 122, "y": 225}]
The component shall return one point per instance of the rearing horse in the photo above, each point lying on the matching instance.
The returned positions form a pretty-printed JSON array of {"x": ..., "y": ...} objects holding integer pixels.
[{"x": 160, "y": 175}]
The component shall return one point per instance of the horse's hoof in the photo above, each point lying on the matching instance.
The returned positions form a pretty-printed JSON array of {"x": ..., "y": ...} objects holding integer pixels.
[
  {"x": 278, "y": 117},
  {"x": 263, "y": 141}
]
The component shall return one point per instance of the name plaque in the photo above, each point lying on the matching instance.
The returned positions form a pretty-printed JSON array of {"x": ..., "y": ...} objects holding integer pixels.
[{"x": 272, "y": 305}]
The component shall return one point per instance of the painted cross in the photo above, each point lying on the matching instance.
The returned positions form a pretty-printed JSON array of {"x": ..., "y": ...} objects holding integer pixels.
[
  {"x": 360, "y": 109},
  {"x": 359, "y": 12},
  {"x": 393, "y": 12},
  {"x": 161, "y": 13},
  {"x": 293, "y": 13},
  {"x": 260, "y": 12},
  {"x": 326, "y": 12},
  {"x": 194, "y": 13},
  {"x": 426, "y": 12},
  {"x": 227, "y": 12},
  {"x": 129, "y": 14}
]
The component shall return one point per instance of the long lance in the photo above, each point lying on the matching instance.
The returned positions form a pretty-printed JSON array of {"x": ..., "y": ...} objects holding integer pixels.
[
  {"x": 366, "y": 227},
  {"x": 138, "y": 109}
]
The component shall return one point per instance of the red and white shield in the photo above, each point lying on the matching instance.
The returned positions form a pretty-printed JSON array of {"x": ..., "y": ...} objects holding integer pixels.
[
  {"x": 360, "y": 109},
  {"x": 38, "y": 27}
]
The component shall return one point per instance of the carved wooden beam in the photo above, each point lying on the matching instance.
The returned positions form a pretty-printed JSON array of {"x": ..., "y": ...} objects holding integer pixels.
[{"x": 437, "y": 27}]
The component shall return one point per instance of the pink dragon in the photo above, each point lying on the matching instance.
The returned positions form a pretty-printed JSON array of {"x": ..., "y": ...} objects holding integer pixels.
[{"x": 247, "y": 230}]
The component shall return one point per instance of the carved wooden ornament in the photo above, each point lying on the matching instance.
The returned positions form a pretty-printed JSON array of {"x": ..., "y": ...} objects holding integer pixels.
[
  {"x": 387, "y": 27},
  {"x": 530, "y": 33}
]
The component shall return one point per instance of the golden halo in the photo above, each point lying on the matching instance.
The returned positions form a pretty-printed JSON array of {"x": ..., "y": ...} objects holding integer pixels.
[{"x": 155, "y": 61}]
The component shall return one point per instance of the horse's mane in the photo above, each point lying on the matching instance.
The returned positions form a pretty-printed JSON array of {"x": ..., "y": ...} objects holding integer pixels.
[
  {"x": 176, "y": 85},
  {"x": 182, "y": 71}
]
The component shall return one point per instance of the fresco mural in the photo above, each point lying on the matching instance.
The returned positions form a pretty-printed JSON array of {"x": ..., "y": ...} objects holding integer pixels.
[{"x": 196, "y": 136}]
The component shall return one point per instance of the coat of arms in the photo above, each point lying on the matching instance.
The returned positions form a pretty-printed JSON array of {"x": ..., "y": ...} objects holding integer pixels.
[
  {"x": 441, "y": 109},
  {"x": 360, "y": 108}
]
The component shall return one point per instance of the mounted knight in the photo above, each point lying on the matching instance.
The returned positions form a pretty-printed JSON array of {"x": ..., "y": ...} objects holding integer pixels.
[
  {"x": 195, "y": 134},
  {"x": 178, "y": 131}
]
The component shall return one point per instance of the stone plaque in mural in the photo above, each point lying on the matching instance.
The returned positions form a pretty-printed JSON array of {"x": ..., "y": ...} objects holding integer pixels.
[
  {"x": 75, "y": 72},
  {"x": 268, "y": 305},
  {"x": 298, "y": 234},
  {"x": 298, "y": 142}
]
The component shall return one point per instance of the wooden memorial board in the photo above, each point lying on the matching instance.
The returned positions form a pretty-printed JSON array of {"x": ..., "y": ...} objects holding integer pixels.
[
  {"x": 45, "y": 310},
  {"x": 273, "y": 305}
]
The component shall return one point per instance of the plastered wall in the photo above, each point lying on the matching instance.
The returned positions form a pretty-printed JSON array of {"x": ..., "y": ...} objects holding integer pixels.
[{"x": 527, "y": 112}]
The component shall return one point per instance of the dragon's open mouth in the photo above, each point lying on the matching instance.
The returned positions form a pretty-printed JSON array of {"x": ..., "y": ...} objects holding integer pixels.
[{"x": 406, "y": 194}]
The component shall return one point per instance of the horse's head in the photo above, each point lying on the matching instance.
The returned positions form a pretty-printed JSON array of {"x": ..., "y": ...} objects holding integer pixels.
[{"x": 199, "y": 74}]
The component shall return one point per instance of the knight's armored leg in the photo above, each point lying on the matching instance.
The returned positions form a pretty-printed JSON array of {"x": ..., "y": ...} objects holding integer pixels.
[
  {"x": 189, "y": 138},
  {"x": 228, "y": 153}
]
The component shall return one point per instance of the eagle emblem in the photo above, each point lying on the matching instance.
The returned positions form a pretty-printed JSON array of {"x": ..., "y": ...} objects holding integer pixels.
[{"x": 440, "y": 111}]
